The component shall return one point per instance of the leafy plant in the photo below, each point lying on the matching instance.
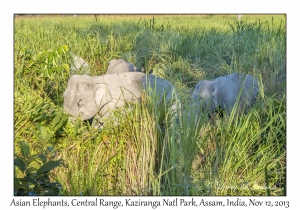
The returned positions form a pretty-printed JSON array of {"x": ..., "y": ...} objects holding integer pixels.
[
  {"x": 35, "y": 169},
  {"x": 47, "y": 62}
]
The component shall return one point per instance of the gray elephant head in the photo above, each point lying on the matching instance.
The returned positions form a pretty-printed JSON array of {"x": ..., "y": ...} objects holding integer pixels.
[
  {"x": 87, "y": 97},
  {"x": 225, "y": 91},
  {"x": 120, "y": 66},
  {"x": 80, "y": 95}
]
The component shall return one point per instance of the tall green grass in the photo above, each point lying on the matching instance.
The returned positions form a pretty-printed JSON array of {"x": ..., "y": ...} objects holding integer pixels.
[{"x": 151, "y": 152}]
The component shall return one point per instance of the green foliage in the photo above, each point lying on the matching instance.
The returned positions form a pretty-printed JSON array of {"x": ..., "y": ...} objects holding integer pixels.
[
  {"x": 34, "y": 167},
  {"x": 34, "y": 170},
  {"x": 150, "y": 152},
  {"x": 45, "y": 64}
]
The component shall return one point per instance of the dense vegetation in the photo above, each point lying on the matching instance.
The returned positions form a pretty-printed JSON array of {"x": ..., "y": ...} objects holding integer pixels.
[{"x": 148, "y": 153}]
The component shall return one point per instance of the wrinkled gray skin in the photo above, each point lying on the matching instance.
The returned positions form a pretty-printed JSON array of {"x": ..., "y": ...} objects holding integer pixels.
[
  {"x": 78, "y": 65},
  {"x": 88, "y": 97},
  {"x": 120, "y": 66},
  {"x": 224, "y": 91}
]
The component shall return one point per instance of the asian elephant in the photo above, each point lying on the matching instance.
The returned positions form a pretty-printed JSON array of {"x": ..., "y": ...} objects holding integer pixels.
[
  {"x": 120, "y": 66},
  {"x": 87, "y": 97},
  {"x": 225, "y": 91}
]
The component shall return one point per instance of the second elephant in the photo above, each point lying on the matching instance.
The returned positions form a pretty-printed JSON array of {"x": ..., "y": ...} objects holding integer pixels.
[{"x": 225, "y": 91}]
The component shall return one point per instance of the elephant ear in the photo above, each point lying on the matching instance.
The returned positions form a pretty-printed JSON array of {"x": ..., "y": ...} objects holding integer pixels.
[
  {"x": 215, "y": 94},
  {"x": 224, "y": 93},
  {"x": 214, "y": 90},
  {"x": 103, "y": 95}
]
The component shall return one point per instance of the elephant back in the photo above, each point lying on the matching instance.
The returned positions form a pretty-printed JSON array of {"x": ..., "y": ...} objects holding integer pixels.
[{"x": 121, "y": 66}]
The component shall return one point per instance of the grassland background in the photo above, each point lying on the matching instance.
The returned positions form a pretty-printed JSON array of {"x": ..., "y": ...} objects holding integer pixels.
[{"x": 223, "y": 158}]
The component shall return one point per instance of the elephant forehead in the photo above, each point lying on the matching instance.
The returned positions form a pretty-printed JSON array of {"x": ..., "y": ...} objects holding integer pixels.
[
  {"x": 204, "y": 86},
  {"x": 85, "y": 87},
  {"x": 78, "y": 84},
  {"x": 69, "y": 94}
]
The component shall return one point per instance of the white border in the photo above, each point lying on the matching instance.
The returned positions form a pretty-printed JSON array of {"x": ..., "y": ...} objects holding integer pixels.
[{"x": 150, "y": 7}]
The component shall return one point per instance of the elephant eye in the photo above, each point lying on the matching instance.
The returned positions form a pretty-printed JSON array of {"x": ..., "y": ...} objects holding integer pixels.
[
  {"x": 213, "y": 89},
  {"x": 79, "y": 102}
]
